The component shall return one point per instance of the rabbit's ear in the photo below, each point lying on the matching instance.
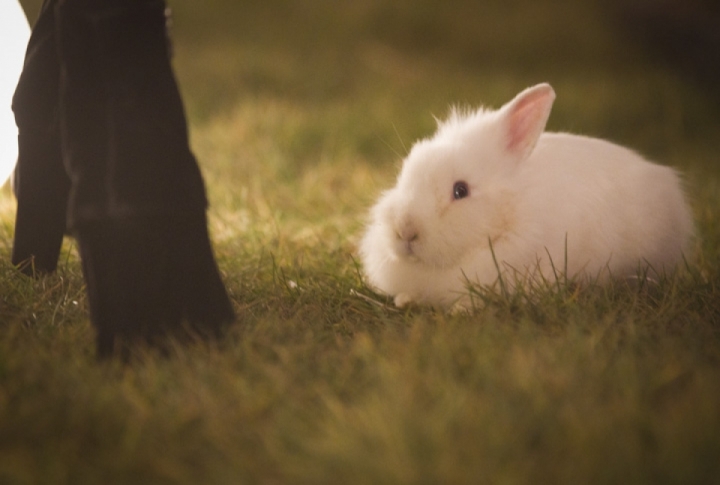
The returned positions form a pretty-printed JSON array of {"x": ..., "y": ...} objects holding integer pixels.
[{"x": 524, "y": 119}]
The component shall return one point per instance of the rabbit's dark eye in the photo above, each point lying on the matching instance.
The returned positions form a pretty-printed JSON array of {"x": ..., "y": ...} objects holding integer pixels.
[{"x": 460, "y": 190}]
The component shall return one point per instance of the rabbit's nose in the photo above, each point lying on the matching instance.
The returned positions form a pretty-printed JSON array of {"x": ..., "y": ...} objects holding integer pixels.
[{"x": 408, "y": 233}]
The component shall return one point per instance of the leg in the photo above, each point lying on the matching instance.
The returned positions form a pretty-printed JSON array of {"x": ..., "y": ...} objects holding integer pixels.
[
  {"x": 145, "y": 287},
  {"x": 39, "y": 181},
  {"x": 137, "y": 203}
]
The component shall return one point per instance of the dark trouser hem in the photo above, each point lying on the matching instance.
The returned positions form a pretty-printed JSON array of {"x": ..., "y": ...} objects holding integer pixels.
[
  {"x": 41, "y": 187},
  {"x": 150, "y": 279}
]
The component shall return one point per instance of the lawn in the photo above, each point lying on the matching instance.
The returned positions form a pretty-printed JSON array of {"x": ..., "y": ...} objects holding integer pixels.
[{"x": 300, "y": 114}]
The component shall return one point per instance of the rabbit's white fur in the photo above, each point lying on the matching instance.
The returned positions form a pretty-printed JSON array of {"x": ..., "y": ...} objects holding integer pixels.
[{"x": 542, "y": 202}]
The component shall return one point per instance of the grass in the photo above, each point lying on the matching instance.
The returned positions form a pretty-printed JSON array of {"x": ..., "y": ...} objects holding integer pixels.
[{"x": 300, "y": 113}]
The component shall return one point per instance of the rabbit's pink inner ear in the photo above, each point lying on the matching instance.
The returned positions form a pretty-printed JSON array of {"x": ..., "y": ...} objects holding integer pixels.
[{"x": 527, "y": 118}]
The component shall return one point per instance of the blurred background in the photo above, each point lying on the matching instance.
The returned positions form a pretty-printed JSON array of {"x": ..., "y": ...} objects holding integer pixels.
[
  {"x": 319, "y": 49},
  {"x": 363, "y": 78}
]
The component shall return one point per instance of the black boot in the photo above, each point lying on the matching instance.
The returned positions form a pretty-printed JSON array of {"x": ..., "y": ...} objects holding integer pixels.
[
  {"x": 137, "y": 204},
  {"x": 40, "y": 182}
]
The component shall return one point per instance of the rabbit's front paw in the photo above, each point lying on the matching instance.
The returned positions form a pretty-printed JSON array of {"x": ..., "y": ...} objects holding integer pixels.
[{"x": 402, "y": 299}]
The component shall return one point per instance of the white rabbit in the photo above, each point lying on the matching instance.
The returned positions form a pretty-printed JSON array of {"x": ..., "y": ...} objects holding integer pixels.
[{"x": 491, "y": 194}]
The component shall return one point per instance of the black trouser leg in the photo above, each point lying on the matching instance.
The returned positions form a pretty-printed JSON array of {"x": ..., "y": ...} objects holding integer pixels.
[
  {"x": 137, "y": 204},
  {"x": 150, "y": 279},
  {"x": 123, "y": 126},
  {"x": 41, "y": 188},
  {"x": 40, "y": 182}
]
